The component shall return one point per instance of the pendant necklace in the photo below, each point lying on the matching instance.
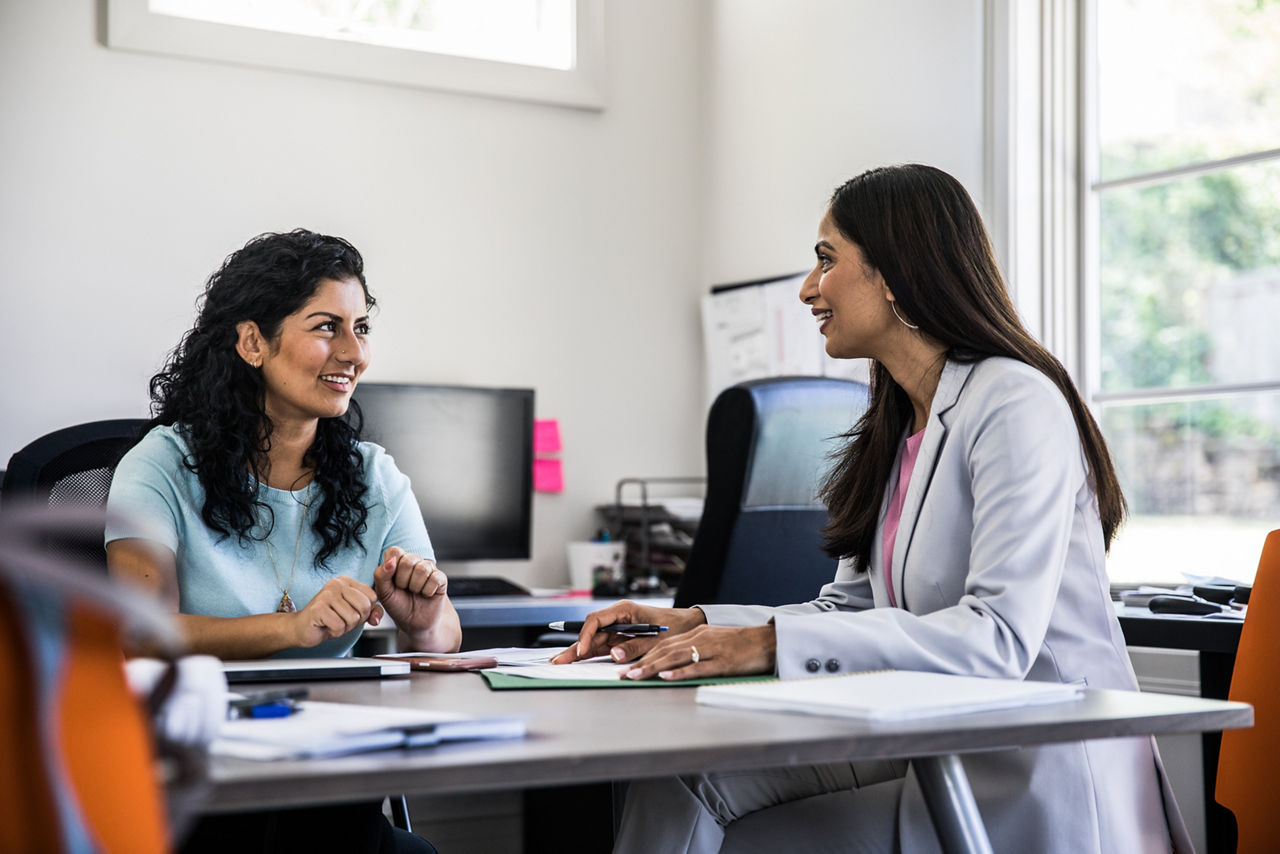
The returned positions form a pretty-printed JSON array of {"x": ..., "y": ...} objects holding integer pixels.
[{"x": 286, "y": 605}]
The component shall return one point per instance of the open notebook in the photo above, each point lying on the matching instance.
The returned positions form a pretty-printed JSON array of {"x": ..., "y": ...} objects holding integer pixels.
[
  {"x": 887, "y": 695},
  {"x": 287, "y": 669}
]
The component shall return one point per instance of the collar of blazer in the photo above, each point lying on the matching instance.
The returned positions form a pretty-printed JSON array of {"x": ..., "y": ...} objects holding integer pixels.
[{"x": 950, "y": 384}]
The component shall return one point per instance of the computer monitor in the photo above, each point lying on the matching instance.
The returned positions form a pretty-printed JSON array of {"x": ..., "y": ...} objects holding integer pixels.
[{"x": 468, "y": 452}]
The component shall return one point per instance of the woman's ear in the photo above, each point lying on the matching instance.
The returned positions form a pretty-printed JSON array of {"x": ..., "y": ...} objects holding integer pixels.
[{"x": 250, "y": 344}]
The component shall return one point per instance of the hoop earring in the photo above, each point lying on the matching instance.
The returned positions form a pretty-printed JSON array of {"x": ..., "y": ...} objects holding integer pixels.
[{"x": 893, "y": 305}]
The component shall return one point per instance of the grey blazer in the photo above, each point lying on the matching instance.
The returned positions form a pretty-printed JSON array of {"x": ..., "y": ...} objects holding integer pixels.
[{"x": 998, "y": 570}]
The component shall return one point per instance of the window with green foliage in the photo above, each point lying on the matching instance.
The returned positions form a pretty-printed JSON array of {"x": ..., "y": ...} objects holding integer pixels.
[{"x": 1182, "y": 269}]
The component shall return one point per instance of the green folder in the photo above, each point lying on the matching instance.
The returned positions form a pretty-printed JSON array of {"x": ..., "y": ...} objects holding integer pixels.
[{"x": 507, "y": 681}]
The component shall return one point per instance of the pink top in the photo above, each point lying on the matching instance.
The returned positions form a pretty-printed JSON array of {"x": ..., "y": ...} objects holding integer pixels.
[{"x": 905, "y": 466}]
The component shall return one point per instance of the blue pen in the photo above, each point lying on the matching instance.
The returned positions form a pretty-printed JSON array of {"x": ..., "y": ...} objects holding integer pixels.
[
  {"x": 266, "y": 704},
  {"x": 280, "y": 709}
]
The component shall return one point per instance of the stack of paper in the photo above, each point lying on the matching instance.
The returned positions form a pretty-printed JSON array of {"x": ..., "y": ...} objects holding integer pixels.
[
  {"x": 334, "y": 729},
  {"x": 887, "y": 695}
]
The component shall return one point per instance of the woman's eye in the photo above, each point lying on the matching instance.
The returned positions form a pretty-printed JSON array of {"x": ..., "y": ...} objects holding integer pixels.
[
  {"x": 363, "y": 329},
  {"x": 327, "y": 326},
  {"x": 824, "y": 262}
]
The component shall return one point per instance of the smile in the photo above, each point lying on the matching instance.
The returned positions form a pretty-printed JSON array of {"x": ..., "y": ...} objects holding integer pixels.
[{"x": 340, "y": 381}]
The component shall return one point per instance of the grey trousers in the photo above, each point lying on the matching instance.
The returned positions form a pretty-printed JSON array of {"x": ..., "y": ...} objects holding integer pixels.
[{"x": 825, "y": 808}]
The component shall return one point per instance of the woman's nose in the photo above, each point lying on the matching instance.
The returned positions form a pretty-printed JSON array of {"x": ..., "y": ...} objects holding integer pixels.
[
  {"x": 353, "y": 350},
  {"x": 809, "y": 288}
]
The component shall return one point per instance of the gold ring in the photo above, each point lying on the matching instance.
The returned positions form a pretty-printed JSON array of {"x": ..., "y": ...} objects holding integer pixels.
[{"x": 694, "y": 650}]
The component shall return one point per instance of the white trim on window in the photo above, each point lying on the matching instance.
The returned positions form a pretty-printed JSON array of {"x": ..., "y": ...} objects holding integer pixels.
[
  {"x": 1033, "y": 207},
  {"x": 131, "y": 25}
]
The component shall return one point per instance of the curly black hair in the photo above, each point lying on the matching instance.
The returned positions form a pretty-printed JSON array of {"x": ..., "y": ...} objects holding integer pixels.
[{"x": 217, "y": 401}]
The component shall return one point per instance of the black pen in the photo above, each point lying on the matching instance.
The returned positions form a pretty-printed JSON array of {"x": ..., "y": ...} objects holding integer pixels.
[{"x": 633, "y": 629}]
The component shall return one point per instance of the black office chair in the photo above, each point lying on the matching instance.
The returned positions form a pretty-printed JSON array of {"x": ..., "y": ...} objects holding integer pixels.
[
  {"x": 769, "y": 443},
  {"x": 73, "y": 465}
]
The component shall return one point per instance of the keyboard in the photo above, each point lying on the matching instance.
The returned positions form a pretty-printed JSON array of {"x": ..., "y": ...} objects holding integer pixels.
[{"x": 484, "y": 585}]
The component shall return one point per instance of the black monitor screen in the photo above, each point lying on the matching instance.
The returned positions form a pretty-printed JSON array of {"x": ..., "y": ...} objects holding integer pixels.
[{"x": 469, "y": 454}]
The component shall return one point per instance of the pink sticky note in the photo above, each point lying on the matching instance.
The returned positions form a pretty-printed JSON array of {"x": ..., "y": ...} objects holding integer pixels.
[
  {"x": 546, "y": 436},
  {"x": 548, "y": 476}
]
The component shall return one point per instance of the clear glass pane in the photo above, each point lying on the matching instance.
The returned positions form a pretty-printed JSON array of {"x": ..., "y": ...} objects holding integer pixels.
[
  {"x": 1203, "y": 483},
  {"x": 1189, "y": 277},
  {"x": 525, "y": 32},
  {"x": 1182, "y": 81}
]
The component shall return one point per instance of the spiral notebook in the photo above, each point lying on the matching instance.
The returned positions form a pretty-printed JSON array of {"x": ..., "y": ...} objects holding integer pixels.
[{"x": 887, "y": 695}]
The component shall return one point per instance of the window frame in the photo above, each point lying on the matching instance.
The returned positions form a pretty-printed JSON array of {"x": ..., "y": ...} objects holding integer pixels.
[
  {"x": 131, "y": 25},
  {"x": 1041, "y": 187}
]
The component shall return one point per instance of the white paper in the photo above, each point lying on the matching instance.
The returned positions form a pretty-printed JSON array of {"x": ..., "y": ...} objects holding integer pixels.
[
  {"x": 506, "y": 655},
  {"x": 757, "y": 331},
  {"x": 335, "y": 729},
  {"x": 887, "y": 695}
]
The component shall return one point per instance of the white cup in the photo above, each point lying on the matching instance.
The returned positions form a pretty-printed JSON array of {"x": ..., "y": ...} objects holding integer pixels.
[{"x": 588, "y": 559}]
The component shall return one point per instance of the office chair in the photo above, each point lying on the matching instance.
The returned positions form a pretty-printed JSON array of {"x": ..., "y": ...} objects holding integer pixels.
[
  {"x": 72, "y": 466},
  {"x": 769, "y": 443},
  {"x": 1246, "y": 782}
]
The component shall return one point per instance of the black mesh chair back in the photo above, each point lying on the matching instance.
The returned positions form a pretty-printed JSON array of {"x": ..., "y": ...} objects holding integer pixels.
[
  {"x": 769, "y": 444},
  {"x": 73, "y": 465}
]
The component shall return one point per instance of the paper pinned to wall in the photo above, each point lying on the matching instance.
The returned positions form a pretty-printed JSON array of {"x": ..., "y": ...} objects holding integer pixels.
[
  {"x": 548, "y": 475},
  {"x": 546, "y": 436},
  {"x": 761, "y": 329}
]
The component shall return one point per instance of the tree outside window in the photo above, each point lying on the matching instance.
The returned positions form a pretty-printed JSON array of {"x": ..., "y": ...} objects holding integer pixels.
[{"x": 1186, "y": 194}]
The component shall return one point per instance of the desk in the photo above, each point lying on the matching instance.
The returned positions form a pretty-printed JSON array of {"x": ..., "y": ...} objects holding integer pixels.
[
  {"x": 573, "y": 738},
  {"x": 1215, "y": 640},
  {"x": 498, "y": 621}
]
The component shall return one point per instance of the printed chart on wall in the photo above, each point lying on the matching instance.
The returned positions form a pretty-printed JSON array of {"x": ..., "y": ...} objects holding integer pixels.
[{"x": 760, "y": 329}]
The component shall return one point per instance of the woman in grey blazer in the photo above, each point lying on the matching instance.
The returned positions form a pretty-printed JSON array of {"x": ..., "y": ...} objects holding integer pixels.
[{"x": 971, "y": 511}]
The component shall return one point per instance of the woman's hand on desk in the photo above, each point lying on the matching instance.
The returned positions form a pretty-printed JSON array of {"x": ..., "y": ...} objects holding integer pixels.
[
  {"x": 592, "y": 642},
  {"x": 709, "y": 651}
]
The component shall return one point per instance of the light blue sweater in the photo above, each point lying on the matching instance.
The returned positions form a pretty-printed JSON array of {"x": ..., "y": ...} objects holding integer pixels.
[{"x": 155, "y": 497}]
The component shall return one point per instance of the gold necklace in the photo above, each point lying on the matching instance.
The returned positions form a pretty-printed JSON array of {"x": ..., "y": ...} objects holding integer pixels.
[{"x": 286, "y": 605}]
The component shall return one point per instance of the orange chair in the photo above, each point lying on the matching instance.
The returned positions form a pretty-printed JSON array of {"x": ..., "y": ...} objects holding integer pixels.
[
  {"x": 78, "y": 769},
  {"x": 1249, "y": 764}
]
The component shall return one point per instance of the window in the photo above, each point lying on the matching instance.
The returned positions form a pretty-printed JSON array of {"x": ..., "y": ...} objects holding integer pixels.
[
  {"x": 543, "y": 50},
  {"x": 1181, "y": 276}
]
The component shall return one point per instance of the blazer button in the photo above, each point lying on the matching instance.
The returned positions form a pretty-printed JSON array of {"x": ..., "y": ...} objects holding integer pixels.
[
  {"x": 832, "y": 665},
  {"x": 813, "y": 665}
]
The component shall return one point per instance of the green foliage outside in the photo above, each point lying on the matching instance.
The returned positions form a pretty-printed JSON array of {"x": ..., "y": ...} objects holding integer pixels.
[{"x": 1164, "y": 252}]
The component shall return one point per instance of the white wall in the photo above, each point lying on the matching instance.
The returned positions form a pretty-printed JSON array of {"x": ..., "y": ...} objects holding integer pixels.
[
  {"x": 804, "y": 95},
  {"x": 508, "y": 243}
]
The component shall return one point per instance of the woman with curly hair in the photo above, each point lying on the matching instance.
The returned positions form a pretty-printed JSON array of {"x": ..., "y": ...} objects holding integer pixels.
[{"x": 251, "y": 506}]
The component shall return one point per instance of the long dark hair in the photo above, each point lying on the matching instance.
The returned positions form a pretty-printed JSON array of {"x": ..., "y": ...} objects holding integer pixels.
[
  {"x": 918, "y": 227},
  {"x": 218, "y": 402}
]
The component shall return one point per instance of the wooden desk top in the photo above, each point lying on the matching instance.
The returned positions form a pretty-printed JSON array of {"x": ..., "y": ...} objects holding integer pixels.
[{"x": 590, "y": 735}]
